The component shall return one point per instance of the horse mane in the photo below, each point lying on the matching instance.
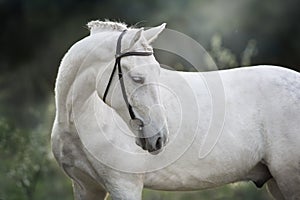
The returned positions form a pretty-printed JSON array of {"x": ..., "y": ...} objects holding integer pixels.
[{"x": 97, "y": 26}]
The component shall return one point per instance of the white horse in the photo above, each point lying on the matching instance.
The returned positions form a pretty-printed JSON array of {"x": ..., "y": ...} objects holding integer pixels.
[{"x": 172, "y": 112}]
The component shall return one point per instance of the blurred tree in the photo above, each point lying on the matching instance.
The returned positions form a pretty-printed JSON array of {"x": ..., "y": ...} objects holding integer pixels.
[
  {"x": 225, "y": 58},
  {"x": 22, "y": 161},
  {"x": 26, "y": 162}
]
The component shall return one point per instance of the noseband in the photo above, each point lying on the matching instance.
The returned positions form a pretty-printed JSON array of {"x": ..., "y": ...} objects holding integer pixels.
[{"x": 135, "y": 122}]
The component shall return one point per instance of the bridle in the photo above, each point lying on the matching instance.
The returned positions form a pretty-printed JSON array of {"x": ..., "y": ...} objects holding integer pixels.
[{"x": 135, "y": 122}]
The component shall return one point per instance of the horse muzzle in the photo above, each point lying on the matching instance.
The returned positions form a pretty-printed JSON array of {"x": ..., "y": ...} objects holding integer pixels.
[{"x": 155, "y": 143}]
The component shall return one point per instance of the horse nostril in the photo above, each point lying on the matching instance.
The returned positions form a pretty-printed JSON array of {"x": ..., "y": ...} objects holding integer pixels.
[{"x": 158, "y": 144}]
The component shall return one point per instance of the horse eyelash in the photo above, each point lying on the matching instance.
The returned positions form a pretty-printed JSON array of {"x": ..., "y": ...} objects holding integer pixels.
[{"x": 138, "y": 79}]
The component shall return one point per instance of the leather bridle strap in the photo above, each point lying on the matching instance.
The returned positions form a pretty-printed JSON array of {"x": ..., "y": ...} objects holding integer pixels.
[{"x": 117, "y": 64}]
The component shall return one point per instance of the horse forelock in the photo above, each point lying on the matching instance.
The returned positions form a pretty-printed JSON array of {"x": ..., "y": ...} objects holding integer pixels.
[{"x": 99, "y": 26}]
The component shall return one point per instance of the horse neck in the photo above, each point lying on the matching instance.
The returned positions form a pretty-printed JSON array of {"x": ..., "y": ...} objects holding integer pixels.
[{"x": 82, "y": 60}]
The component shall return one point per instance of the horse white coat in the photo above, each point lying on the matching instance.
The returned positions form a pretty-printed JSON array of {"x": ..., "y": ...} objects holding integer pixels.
[{"x": 259, "y": 141}]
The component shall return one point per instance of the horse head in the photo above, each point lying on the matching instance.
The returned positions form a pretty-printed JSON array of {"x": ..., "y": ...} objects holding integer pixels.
[{"x": 132, "y": 86}]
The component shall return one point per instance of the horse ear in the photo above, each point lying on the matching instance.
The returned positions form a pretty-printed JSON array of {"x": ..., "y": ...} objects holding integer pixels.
[
  {"x": 152, "y": 33},
  {"x": 136, "y": 37}
]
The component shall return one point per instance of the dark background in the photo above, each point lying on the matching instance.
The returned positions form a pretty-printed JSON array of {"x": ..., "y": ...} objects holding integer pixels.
[{"x": 35, "y": 34}]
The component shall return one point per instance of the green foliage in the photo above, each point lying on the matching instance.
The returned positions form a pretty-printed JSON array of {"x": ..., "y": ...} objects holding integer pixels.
[
  {"x": 27, "y": 170},
  {"x": 249, "y": 52},
  {"x": 237, "y": 191},
  {"x": 224, "y": 58},
  {"x": 18, "y": 154}
]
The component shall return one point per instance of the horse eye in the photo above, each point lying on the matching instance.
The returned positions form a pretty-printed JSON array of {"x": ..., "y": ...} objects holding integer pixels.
[{"x": 138, "y": 79}]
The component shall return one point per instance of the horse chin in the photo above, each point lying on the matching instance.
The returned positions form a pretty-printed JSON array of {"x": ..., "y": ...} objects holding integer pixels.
[{"x": 156, "y": 152}]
